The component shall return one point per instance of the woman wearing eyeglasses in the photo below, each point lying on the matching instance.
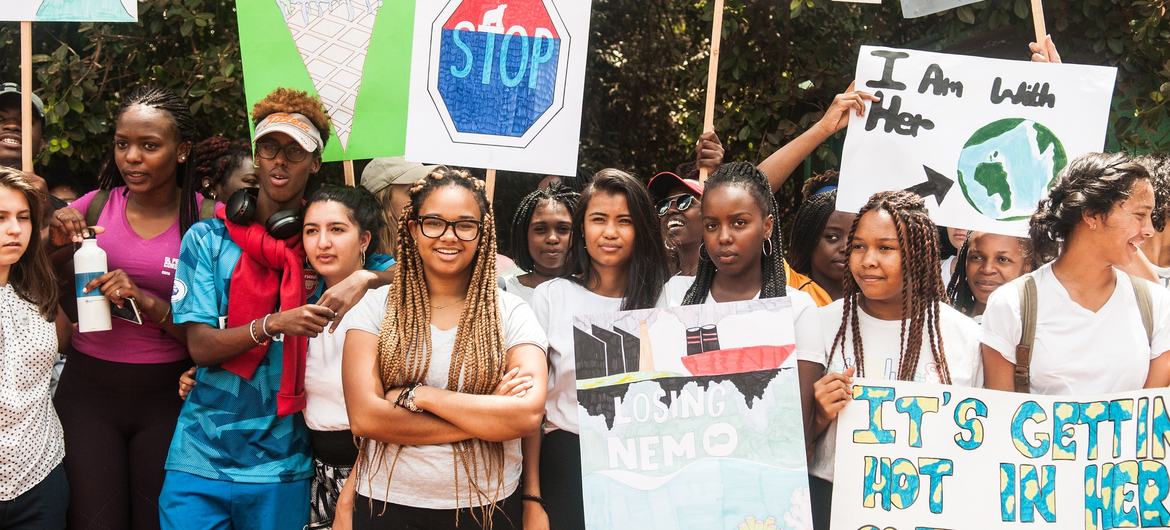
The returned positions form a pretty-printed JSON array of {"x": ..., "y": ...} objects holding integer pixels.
[{"x": 443, "y": 372}]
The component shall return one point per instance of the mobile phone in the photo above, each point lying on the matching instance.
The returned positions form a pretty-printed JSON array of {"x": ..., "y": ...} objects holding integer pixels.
[{"x": 128, "y": 312}]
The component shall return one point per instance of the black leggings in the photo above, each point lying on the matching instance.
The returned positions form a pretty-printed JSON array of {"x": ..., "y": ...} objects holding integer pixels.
[
  {"x": 560, "y": 480},
  {"x": 377, "y": 515},
  {"x": 118, "y": 420}
]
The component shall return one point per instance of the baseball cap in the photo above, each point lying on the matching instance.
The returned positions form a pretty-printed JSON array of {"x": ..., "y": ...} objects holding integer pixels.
[
  {"x": 14, "y": 89},
  {"x": 382, "y": 172},
  {"x": 297, "y": 126},
  {"x": 662, "y": 183}
]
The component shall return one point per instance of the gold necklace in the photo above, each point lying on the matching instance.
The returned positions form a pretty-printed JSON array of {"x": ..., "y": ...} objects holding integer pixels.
[{"x": 438, "y": 307}]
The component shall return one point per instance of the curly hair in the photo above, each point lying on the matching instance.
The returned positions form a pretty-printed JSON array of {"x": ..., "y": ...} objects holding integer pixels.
[
  {"x": 556, "y": 193},
  {"x": 1090, "y": 185},
  {"x": 810, "y": 220},
  {"x": 213, "y": 160},
  {"x": 750, "y": 178},
  {"x": 922, "y": 288},
  {"x": 295, "y": 101}
]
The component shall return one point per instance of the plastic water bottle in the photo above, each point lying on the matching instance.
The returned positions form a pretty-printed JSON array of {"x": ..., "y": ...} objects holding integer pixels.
[{"x": 89, "y": 262}]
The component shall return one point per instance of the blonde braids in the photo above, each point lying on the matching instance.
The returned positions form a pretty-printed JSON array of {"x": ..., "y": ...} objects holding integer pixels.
[{"x": 478, "y": 357}]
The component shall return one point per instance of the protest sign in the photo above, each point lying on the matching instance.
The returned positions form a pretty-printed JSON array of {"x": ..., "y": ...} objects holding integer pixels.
[
  {"x": 70, "y": 11},
  {"x": 498, "y": 84},
  {"x": 690, "y": 418},
  {"x": 353, "y": 54},
  {"x": 919, "y": 8},
  {"x": 981, "y": 139},
  {"x": 923, "y": 456}
]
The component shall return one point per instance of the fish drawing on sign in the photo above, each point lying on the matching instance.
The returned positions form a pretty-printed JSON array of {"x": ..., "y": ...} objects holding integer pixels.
[{"x": 332, "y": 38}]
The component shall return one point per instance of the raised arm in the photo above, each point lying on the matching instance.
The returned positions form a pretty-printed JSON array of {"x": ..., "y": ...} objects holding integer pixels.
[
  {"x": 371, "y": 414},
  {"x": 780, "y": 164}
]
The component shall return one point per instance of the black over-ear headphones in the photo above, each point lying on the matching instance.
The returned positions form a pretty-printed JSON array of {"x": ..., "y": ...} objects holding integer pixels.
[{"x": 241, "y": 207}]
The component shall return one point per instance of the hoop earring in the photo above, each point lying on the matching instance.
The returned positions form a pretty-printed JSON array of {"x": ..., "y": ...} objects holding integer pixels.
[
  {"x": 703, "y": 252},
  {"x": 768, "y": 247}
]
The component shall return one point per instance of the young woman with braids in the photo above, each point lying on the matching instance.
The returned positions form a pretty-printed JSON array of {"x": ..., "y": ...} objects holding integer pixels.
[
  {"x": 985, "y": 262},
  {"x": 1090, "y": 337},
  {"x": 617, "y": 262},
  {"x": 116, "y": 397},
  {"x": 546, "y": 216},
  {"x": 443, "y": 372},
  {"x": 818, "y": 248},
  {"x": 892, "y": 322},
  {"x": 219, "y": 167}
]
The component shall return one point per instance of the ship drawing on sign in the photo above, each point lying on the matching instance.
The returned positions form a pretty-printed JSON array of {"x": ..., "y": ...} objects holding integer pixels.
[{"x": 332, "y": 38}]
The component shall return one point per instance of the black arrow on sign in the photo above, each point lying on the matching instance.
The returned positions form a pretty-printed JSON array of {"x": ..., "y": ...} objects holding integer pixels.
[{"x": 936, "y": 184}]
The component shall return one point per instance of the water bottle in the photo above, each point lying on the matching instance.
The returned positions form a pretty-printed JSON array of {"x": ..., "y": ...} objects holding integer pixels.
[{"x": 89, "y": 262}]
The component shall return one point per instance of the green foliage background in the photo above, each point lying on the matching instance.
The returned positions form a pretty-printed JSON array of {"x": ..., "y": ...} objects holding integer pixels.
[{"x": 781, "y": 63}]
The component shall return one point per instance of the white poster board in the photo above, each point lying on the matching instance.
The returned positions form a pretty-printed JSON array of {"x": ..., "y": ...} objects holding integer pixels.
[
  {"x": 981, "y": 139},
  {"x": 70, "y": 10},
  {"x": 925, "y": 456},
  {"x": 498, "y": 85}
]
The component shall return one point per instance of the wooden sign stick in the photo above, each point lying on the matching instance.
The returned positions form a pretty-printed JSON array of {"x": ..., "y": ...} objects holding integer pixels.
[
  {"x": 712, "y": 73},
  {"x": 1038, "y": 20},
  {"x": 26, "y": 117},
  {"x": 491, "y": 184},
  {"x": 347, "y": 168}
]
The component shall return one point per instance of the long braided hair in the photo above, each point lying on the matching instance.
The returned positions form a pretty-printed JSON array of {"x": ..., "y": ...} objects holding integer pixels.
[
  {"x": 477, "y": 360},
  {"x": 557, "y": 193},
  {"x": 922, "y": 288},
  {"x": 775, "y": 282},
  {"x": 166, "y": 101},
  {"x": 811, "y": 219},
  {"x": 212, "y": 161}
]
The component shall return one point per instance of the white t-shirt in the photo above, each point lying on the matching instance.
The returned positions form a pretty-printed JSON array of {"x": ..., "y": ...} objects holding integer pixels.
[
  {"x": 1163, "y": 275},
  {"x": 1076, "y": 350},
  {"x": 882, "y": 342},
  {"x": 424, "y": 476},
  {"x": 31, "y": 442},
  {"x": 555, "y": 303},
  {"x": 806, "y": 327},
  {"x": 324, "y": 396},
  {"x": 512, "y": 285},
  {"x": 948, "y": 270}
]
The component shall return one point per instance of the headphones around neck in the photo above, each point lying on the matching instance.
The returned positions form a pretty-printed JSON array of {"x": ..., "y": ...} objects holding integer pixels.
[{"x": 241, "y": 208}]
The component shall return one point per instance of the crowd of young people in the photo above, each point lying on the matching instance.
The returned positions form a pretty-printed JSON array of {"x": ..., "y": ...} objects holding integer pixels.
[{"x": 356, "y": 358}]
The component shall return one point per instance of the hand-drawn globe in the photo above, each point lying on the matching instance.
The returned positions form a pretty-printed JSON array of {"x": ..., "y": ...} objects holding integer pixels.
[{"x": 1008, "y": 165}]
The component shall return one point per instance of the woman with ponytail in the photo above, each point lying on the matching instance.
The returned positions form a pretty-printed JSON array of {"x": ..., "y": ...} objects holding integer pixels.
[
  {"x": 892, "y": 322},
  {"x": 443, "y": 372},
  {"x": 1091, "y": 336},
  {"x": 116, "y": 397}
]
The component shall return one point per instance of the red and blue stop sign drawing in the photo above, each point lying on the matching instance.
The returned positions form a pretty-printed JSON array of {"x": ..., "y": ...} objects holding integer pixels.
[{"x": 498, "y": 69}]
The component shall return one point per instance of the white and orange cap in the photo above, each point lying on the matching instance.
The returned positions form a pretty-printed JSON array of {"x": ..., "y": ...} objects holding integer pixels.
[{"x": 297, "y": 126}]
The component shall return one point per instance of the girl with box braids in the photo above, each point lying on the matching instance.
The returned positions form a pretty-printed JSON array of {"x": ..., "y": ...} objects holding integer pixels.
[
  {"x": 448, "y": 250},
  {"x": 542, "y": 230},
  {"x": 922, "y": 288},
  {"x": 745, "y": 176}
]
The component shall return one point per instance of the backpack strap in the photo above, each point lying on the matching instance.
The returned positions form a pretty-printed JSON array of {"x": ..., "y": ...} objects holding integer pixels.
[
  {"x": 1028, "y": 303},
  {"x": 207, "y": 211},
  {"x": 94, "y": 210},
  {"x": 1141, "y": 291}
]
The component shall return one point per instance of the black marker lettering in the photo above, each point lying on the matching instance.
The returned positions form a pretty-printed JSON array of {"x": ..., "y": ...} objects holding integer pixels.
[
  {"x": 937, "y": 81},
  {"x": 1026, "y": 95},
  {"x": 887, "y": 80},
  {"x": 903, "y": 123}
]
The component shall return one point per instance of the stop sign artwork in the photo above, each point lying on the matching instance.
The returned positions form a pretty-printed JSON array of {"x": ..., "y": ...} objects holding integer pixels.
[{"x": 497, "y": 83}]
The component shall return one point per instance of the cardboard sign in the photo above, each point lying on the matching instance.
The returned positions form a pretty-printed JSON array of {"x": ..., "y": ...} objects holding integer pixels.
[
  {"x": 981, "y": 139},
  {"x": 913, "y": 456},
  {"x": 353, "y": 54},
  {"x": 690, "y": 418},
  {"x": 498, "y": 84},
  {"x": 70, "y": 10},
  {"x": 919, "y": 8}
]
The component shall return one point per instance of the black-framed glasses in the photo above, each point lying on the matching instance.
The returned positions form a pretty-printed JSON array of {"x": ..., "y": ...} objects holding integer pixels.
[
  {"x": 434, "y": 227},
  {"x": 292, "y": 152},
  {"x": 681, "y": 202}
]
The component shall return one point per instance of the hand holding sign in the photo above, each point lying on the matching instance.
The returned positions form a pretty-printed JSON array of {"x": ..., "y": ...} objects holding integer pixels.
[{"x": 844, "y": 105}]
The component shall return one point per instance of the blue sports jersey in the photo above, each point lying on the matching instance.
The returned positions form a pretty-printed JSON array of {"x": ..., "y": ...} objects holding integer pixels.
[{"x": 228, "y": 428}]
